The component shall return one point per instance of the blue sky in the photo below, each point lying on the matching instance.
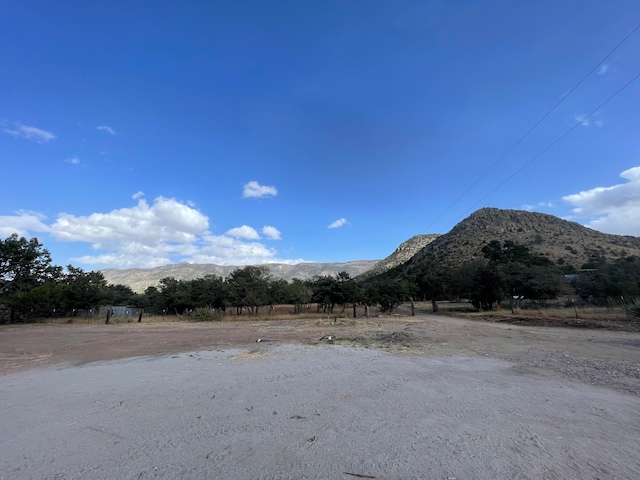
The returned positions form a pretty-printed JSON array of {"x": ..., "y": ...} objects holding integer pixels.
[{"x": 135, "y": 134}]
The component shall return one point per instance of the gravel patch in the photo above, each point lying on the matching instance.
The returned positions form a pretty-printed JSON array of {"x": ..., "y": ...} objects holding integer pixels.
[{"x": 315, "y": 412}]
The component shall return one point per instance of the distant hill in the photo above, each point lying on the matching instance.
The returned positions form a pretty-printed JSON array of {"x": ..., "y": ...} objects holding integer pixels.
[
  {"x": 141, "y": 278},
  {"x": 402, "y": 254},
  {"x": 564, "y": 242}
]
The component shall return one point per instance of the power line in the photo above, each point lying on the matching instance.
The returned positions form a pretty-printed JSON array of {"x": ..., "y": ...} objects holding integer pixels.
[
  {"x": 539, "y": 154},
  {"x": 526, "y": 134}
]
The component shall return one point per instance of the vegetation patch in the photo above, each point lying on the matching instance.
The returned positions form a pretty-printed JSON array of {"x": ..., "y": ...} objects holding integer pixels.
[
  {"x": 396, "y": 338},
  {"x": 551, "y": 321}
]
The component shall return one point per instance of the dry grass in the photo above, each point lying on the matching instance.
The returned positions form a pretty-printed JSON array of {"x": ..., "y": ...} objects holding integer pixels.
[
  {"x": 592, "y": 313},
  {"x": 279, "y": 312}
]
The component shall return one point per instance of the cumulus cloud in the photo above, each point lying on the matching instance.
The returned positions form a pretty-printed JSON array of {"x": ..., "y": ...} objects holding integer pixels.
[
  {"x": 149, "y": 235},
  {"x": 105, "y": 128},
  {"x": 121, "y": 260},
  {"x": 254, "y": 190},
  {"x": 73, "y": 160},
  {"x": 245, "y": 232},
  {"x": 23, "y": 223},
  {"x": 166, "y": 220},
  {"x": 271, "y": 233},
  {"x": 27, "y": 132},
  {"x": 139, "y": 194},
  {"x": 603, "y": 69},
  {"x": 225, "y": 250},
  {"x": 339, "y": 223},
  {"x": 616, "y": 208}
]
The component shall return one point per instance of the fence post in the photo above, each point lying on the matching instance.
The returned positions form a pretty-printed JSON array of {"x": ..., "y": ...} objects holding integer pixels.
[{"x": 624, "y": 304}]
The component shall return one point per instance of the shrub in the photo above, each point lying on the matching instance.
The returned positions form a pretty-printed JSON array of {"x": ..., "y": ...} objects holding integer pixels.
[{"x": 206, "y": 314}]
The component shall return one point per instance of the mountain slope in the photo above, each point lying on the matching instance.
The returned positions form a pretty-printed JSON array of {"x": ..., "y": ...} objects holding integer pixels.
[
  {"x": 402, "y": 254},
  {"x": 141, "y": 278},
  {"x": 564, "y": 242}
]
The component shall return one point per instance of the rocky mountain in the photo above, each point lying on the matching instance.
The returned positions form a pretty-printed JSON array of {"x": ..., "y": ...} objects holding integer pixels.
[
  {"x": 402, "y": 254},
  {"x": 564, "y": 242},
  {"x": 141, "y": 278}
]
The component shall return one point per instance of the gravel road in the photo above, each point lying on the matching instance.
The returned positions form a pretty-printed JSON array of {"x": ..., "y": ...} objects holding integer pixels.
[{"x": 451, "y": 399}]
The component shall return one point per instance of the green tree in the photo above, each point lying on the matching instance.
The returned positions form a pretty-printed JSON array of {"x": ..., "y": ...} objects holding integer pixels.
[
  {"x": 210, "y": 291},
  {"x": 24, "y": 264},
  {"x": 346, "y": 290},
  {"x": 46, "y": 300},
  {"x": 488, "y": 288},
  {"x": 152, "y": 299},
  {"x": 277, "y": 292},
  {"x": 175, "y": 296},
  {"x": 389, "y": 294},
  {"x": 430, "y": 280},
  {"x": 85, "y": 289},
  {"x": 323, "y": 292},
  {"x": 300, "y": 294},
  {"x": 120, "y": 295},
  {"x": 602, "y": 278},
  {"x": 248, "y": 287}
]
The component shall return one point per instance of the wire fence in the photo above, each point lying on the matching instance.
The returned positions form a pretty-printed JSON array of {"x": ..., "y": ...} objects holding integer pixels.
[{"x": 623, "y": 306}]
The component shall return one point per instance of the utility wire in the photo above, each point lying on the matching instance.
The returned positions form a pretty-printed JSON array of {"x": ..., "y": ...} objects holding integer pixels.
[
  {"x": 578, "y": 123},
  {"x": 535, "y": 125}
]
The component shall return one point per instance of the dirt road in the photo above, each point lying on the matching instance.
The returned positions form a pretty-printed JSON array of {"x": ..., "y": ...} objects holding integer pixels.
[
  {"x": 389, "y": 398},
  {"x": 592, "y": 356}
]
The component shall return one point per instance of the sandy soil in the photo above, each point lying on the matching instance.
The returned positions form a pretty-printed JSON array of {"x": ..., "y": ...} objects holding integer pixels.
[{"x": 390, "y": 398}]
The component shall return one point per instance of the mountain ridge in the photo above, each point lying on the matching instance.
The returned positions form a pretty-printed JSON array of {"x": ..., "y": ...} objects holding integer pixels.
[
  {"x": 405, "y": 251},
  {"x": 141, "y": 278},
  {"x": 564, "y": 242}
]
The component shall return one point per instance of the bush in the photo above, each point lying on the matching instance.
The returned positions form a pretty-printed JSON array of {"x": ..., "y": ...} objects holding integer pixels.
[
  {"x": 634, "y": 310},
  {"x": 206, "y": 314}
]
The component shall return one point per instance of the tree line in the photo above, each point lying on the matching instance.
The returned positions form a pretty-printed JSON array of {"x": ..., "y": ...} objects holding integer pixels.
[
  {"x": 31, "y": 287},
  {"x": 253, "y": 289},
  {"x": 507, "y": 272}
]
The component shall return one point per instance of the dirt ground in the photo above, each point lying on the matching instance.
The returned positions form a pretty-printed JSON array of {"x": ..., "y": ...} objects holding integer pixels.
[
  {"x": 388, "y": 398},
  {"x": 592, "y": 356}
]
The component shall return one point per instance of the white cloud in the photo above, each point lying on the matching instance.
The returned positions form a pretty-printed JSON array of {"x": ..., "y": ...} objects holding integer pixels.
[
  {"x": 73, "y": 160},
  {"x": 224, "y": 250},
  {"x": 616, "y": 208},
  {"x": 339, "y": 223},
  {"x": 139, "y": 194},
  {"x": 585, "y": 120},
  {"x": 149, "y": 235},
  {"x": 29, "y": 133},
  {"x": 118, "y": 260},
  {"x": 271, "y": 233},
  {"x": 254, "y": 190},
  {"x": 245, "y": 232},
  {"x": 603, "y": 69},
  {"x": 23, "y": 223},
  {"x": 107, "y": 129},
  {"x": 167, "y": 220},
  {"x": 530, "y": 208},
  {"x": 582, "y": 120}
]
